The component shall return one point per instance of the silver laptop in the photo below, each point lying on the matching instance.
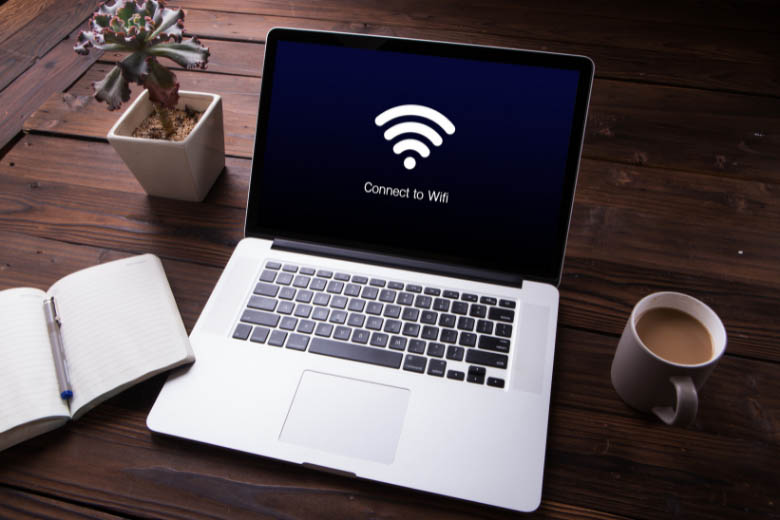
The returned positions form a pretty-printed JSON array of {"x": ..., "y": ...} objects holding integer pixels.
[{"x": 391, "y": 313}]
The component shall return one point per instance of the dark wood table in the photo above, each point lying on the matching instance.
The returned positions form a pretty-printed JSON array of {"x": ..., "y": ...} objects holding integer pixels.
[{"x": 679, "y": 189}]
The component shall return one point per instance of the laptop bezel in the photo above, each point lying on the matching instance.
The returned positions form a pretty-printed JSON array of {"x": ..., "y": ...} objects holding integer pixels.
[{"x": 253, "y": 228}]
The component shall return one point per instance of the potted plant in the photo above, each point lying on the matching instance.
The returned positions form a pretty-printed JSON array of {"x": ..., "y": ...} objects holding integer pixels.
[{"x": 173, "y": 141}]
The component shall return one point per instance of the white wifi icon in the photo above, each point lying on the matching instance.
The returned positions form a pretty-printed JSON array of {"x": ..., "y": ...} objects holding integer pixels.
[{"x": 413, "y": 127}]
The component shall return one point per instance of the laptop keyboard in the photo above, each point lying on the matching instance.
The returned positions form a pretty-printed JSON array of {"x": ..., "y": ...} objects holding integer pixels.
[{"x": 381, "y": 322}]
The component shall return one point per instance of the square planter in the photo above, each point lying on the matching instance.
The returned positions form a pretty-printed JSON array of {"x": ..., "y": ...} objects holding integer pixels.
[{"x": 183, "y": 170}]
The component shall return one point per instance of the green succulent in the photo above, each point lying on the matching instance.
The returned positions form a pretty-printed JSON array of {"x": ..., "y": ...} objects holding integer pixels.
[{"x": 145, "y": 29}]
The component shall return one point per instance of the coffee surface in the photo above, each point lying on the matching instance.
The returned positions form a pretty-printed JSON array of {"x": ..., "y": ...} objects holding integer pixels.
[{"x": 675, "y": 336}]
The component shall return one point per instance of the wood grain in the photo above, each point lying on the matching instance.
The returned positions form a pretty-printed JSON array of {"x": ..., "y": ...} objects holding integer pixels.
[
  {"x": 54, "y": 72},
  {"x": 21, "y": 505},
  {"x": 48, "y": 23},
  {"x": 671, "y": 53},
  {"x": 633, "y": 124}
]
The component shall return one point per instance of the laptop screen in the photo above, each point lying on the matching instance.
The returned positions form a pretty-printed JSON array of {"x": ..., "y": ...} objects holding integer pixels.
[{"x": 451, "y": 153}]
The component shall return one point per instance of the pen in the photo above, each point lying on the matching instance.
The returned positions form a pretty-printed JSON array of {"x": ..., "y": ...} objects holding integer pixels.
[{"x": 55, "y": 338}]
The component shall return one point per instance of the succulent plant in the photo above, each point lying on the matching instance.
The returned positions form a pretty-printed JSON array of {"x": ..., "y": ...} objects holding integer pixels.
[{"x": 145, "y": 29}]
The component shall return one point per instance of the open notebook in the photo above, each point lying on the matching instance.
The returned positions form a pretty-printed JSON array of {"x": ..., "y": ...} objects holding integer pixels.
[{"x": 119, "y": 325}]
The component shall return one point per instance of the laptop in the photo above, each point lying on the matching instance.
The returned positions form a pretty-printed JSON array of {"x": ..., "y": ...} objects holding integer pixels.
[{"x": 391, "y": 312}]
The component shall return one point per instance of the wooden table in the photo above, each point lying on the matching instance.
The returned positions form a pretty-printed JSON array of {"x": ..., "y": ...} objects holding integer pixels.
[{"x": 679, "y": 189}]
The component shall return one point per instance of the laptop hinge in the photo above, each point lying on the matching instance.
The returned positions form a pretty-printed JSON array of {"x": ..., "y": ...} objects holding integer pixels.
[{"x": 470, "y": 273}]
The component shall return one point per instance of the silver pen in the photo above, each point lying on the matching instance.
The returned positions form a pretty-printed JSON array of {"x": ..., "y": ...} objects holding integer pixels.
[{"x": 55, "y": 338}]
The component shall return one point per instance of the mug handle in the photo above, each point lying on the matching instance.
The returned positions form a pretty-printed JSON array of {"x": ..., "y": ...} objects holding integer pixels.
[{"x": 687, "y": 403}]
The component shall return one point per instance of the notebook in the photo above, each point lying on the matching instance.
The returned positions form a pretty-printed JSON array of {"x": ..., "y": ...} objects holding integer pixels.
[
  {"x": 103, "y": 329},
  {"x": 391, "y": 313}
]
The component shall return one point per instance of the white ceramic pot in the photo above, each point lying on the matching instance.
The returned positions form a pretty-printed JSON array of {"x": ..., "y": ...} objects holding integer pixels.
[{"x": 185, "y": 169}]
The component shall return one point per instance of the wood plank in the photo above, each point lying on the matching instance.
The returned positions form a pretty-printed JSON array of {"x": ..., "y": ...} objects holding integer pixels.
[
  {"x": 622, "y": 49},
  {"x": 16, "y": 14},
  {"x": 741, "y": 140},
  {"x": 20, "y": 505},
  {"x": 51, "y": 23},
  {"x": 53, "y": 73},
  {"x": 657, "y": 466}
]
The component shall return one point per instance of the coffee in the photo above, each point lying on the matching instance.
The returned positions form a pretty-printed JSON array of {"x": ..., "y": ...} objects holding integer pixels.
[{"x": 675, "y": 336}]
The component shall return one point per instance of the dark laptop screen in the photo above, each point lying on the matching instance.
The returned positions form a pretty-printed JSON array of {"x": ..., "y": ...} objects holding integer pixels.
[{"x": 441, "y": 152}]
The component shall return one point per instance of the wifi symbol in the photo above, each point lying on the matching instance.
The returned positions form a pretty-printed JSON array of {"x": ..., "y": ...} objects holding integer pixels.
[{"x": 413, "y": 127}]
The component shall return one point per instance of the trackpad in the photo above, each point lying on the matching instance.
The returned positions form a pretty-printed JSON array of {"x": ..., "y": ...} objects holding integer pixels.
[{"x": 346, "y": 416}]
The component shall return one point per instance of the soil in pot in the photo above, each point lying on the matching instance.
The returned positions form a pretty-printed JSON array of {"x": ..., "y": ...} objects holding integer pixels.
[{"x": 183, "y": 122}]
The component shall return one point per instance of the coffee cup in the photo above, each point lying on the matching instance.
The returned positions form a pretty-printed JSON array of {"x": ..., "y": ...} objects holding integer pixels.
[{"x": 669, "y": 346}]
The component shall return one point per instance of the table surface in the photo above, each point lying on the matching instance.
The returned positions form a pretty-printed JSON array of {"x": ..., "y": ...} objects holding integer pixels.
[{"x": 678, "y": 190}]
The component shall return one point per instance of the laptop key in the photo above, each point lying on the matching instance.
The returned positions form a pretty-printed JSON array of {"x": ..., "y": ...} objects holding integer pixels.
[
  {"x": 413, "y": 288},
  {"x": 301, "y": 282},
  {"x": 352, "y": 290},
  {"x": 415, "y": 363},
  {"x": 376, "y": 282},
  {"x": 285, "y": 307},
  {"x": 410, "y": 314},
  {"x": 405, "y": 298},
  {"x": 356, "y": 320},
  {"x": 499, "y": 314},
  {"x": 343, "y": 277},
  {"x": 374, "y": 323},
  {"x": 485, "y": 327},
  {"x": 502, "y": 329},
  {"x": 432, "y": 291},
  {"x": 455, "y": 353},
  {"x": 288, "y": 323},
  {"x": 465, "y": 323},
  {"x": 302, "y": 310},
  {"x": 411, "y": 329},
  {"x": 268, "y": 276},
  {"x": 494, "y": 344},
  {"x": 260, "y": 318},
  {"x": 509, "y": 304},
  {"x": 447, "y": 320},
  {"x": 487, "y": 300},
  {"x": 451, "y": 294},
  {"x": 318, "y": 284},
  {"x": 324, "y": 330},
  {"x": 398, "y": 343},
  {"x": 308, "y": 271},
  {"x": 304, "y": 296},
  {"x": 342, "y": 333},
  {"x": 467, "y": 339},
  {"x": 459, "y": 307},
  {"x": 320, "y": 314},
  {"x": 335, "y": 287},
  {"x": 457, "y": 375},
  {"x": 338, "y": 302},
  {"x": 478, "y": 311},
  {"x": 392, "y": 311},
  {"x": 468, "y": 297},
  {"x": 417, "y": 346},
  {"x": 277, "y": 338},
  {"x": 435, "y": 349},
  {"x": 242, "y": 331},
  {"x": 322, "y": 273},
  {"x": 449, "y": 335},
  {"x": 289, "y": 268},
  {"x": 387, "y": 296},
  {"x": 369, "y": 292},
  {"x": 338, "y": 317},
  {"x": 374, "y": 356},
  {"x": 374, "y": 308},
  {"x": 393, "y": 326},
  {"x": 495, "y": 381},
  {"x": 362, "y": 280},
  {"x": 284, "y": 278},
  {"x": 480, "y": 357},
  {"x": 260, "y": 334},
  {"x": 262, "y": 303},
  {"x": 356, "y": 304},
  {"x": 379, "y": 339},
  {"x": 423, "y": 302},
  {"x": 287, "y": 293},
  {"x": 298, "y": 342},
  {"x": 266, "y": 289},
  {"x": 428, "y": 317},
  {"x": 430, "y": 332},
  {"x": 440, "y": 304},
  {"x": 395, "y": 285},
  {"x": 273, "y": 265},
  {"x": 321, "y": 299},
  {"x": 360, "y": 336},
  {"x": 436, "y": 367},
  {"x": 306, "y": 326}
]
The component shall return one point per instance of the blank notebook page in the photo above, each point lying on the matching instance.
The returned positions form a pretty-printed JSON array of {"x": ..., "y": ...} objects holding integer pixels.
[
  {"x": 119, "y": 323},
  {"x": 28, "y": 382}
]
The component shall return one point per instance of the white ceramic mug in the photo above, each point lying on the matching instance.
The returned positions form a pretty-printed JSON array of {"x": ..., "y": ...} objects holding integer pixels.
[{"x": 651, "y": 383}]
